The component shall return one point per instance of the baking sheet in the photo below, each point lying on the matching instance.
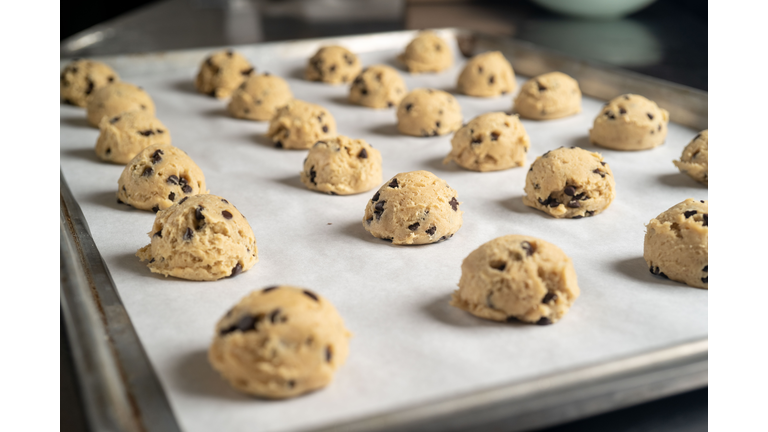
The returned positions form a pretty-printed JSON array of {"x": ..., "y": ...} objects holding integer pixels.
[{"x": 409, "y": 345}]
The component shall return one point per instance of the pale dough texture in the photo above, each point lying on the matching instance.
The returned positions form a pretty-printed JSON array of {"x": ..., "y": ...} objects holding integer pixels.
[
  {"x": 259, "y": 97},
  {"x": 159, "y": 176},
  {"x": 378, "y": 86},
  {"x": 81, "y": 77},
  {"x": 677, "y": 243},
  {"x": 221, "y": 73},
  {"x": 517, "y": 277},
  {"x": 202, "y": 237},
  {"x": 487, "y": 75},
  {"x": 280, "y": 342},
  {"x": 333, "y": 65},
  {"x": 630, "y": 122},
  {"x": 299, "y": 125},
  {"x": 117, "y": 98},
  {"x": 415, "y": 207},
  {"x": 342, "y": 166},
  {"x": 695, "y": 158},
  {"x": 549, "y": 96},
  {"x": 427, "y": 52},
  {"x": 490, "y": 142},
  {"x": 428, "y": 112},
  {"x": 569, "y": 183},
  {"x": 123, "y": 136}
]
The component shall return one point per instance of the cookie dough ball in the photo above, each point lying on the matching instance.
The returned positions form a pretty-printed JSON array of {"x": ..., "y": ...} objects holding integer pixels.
[
  {"x": 549, "y": 96},
  {"x": 427, "y": 52},
  {"x": 221, "y": 73},
  {"x": 259, "y": 97},
  {"x": 415, "y": 207},
  {"x": 630, "y": 122},
  {"x": 203, "y": 237},
  {"x": 695, "y": 158},
  {"x": 517, "y": 277},
  {"x": 378, "y": 86},
  {"x": 123, "y": 136},
  {"x": 280, "y": 342},
  {"x": 490, "y": 142},
  {"x": 299, "y": 125},
  {"x": 428, "y": 112},
  {"x": 117, "y": 98},
  {"x": 677, "y": 243},
  {"x": 159, "y": 176},
  {"x": 487, "y": 75},
  {"x": 569, "y": 183},
  {"x": 342, "y": 166},
  {"x": 81, "y": 77},
  {"x": 333, "y": 65}
]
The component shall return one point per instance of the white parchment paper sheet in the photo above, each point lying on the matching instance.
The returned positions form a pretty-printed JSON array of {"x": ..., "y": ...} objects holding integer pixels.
[{"x": 409, "y": 345}]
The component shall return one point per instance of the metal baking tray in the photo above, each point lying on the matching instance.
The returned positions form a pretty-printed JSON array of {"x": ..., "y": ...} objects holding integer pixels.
[{"x": 120, "y": 386}]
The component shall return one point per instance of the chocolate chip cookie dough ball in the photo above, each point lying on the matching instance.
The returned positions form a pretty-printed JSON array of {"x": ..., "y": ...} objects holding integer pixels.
[
  {"x": 569, "y": 183},
  {"x": 221, "y": 73},
  {"x": 342, "y": 166},
  {"x": 549, "y": 96},
  {"x": 81, "y": 77},
  {"x": 428, "y": 112},
  {"x": 630, "y": 122},
  {"x": 123, "y": 136},
  {"x": 378, "y": 86},
  {"x": 280, "y": 342},
  {"x": 427, "y": 52},
  {"x": 487, "y": 75},
  {"x": 696, "y": 158},
  {"x": 677, "y": 243},
  {"x": 203, "y": 237},
  {"x": 117, "y": 98},
  {"x": 159, "y": 176},
  {"x": 333, "y": 65},
  {"x": 299, "y": 125},
  {"x": 490, "y": 142},
  {"x": 415, "y": 207},
  {"x": 517, "y": 277},
  {"x": 259, "y": 97}
]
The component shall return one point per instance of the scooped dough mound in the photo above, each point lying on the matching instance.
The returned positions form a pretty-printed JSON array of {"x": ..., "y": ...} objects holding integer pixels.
[
  {"x": 117, "y": 98},
  {"x": 299, "y": 125},
  {"x": 221, "y": 73},
  {"x": 487, "y": 75},
  {"x": 490, "y": 142},
  {"x": 280, "y": 342},
  {"x": 428, "y": 112},
  {"x": 517, "y": 277},
  {"x": 695, "y": 159},
  {"x": 259, "y": 97},
  {"x": 81, "y": 77},
  {"x": 549, "y": 96},
  {"x": 427, "y": 52},
  {"x": 202, "y": 237},
  {"x": 414, "y": 208},
  {"x": 123, "y": 136},
  {"x": 630, "y": 122},
  {"x": 333, "y": 65},
  {"x": 378, "y": 86},
  {"x": 342, "y": 166}
]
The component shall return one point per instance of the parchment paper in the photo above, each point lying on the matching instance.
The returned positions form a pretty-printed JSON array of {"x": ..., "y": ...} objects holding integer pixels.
[{"x": 409, "y": 345}]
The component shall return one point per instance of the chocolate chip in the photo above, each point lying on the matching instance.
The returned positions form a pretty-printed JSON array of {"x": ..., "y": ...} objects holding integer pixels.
[
  {"x": 689, "y": 213},
  {"x": 511, "y": 319},
  {"x": 610, "y": 115},
  {"x": 544, "y": 202},
  {"x": 109, "y": 150},
  {"x": 589, "y": 213},
  {"x": 199, "y": 213},
  {"x": 390, "y": 104},
  {"x": 224, "y": 201},
  {"x": 495, "y": 136},
  {"x": 553, "y": 202},
  {"x": 546, "y": 154},
  {"x": 246, "y": 323},
  {"x": 454, "y": 204},
  {"x": 437, "y": 124},
  {"x": 413, "y": 227},
  {"x": 704, "y": 279},
  {"x": 291, "y": 383},
  {"x": 375, "y": 197},
  {"x": 156, "y": 156},
  {"x": 602, "y": 163},
  {"x": 328, "y": 354},
  {"x": 549, "y": 297},
  {"x": 90, "y": 87},
  {"x": 477, "y": 140},
  {"x": 279, "y": 144},
  {"x": 226, "y": 214},
  {"x": 325, "y": 128},
  {"x": 148, "y": 171},
  {"x": 541, "y": 87},
  {"x": 706, "y": 219},
  {"x": 172, "y": 179},
  {"x": 158, "y": 234},
  {"x": 363, "y": 91},
  {"x": 626, "y": 97},
  {"x": 182, "y": 200},
  {"x": 229, "y": 53},
  {"x": 188, "y": 234},
  {"x": 622, "y": 111},
  {"x": 236, "y": 270},
  {"x": 574, "y": 204},
  {"x": 268, "y": 289},
  {"x": 312, "y": 175},
  {"x": 498, "y": 265},
  {"x": 247, "y": 72},
  {"x": 311, "y": 295},
  {"x": 378, "y": 209},
  {"x": 393, "y": 184},
  {"x": 569, "y": 190},
  {"x": 697, "y": 137},
  {"x": 544, "y": 321},
  {"x": 119, "y": 201},
  {"x": 273, "y": 315},
  {"x": 408, "y": 107},
  {"x": 528, "y": 248},
  {"x": 491, "y": 79},
  {"x": 431, "y": 230},
  {"x": 171, "y": 196},
  {"x": 369, "y": 220},
  {"x": 114, "y": 120},
  {"x": 147, "y": 132},
  {"x": 186, "y": 188},
  {"x": 152, "y": 260},
  {"x": 363, "y": 154},
  {"x": 597, "y": 171},
  {"x": 159, "y": 131},
  {"x": 110, "y": 79}
]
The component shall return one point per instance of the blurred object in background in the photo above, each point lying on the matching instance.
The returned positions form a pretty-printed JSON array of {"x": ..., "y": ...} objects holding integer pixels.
[{"x": 594, "y": 9}]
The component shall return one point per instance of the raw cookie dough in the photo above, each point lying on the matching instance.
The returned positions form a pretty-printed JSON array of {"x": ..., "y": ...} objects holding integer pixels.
[
  {"x": 695, "y": 158},
  {"x": 221, "y": 73},
  {"x": 415, "y": 207},
  {"x": 549, "y": 96},
  {"x": 378, "y": 86},
  {"x": 517, "y": 277},
  {"x": 487, "y": 75},
  {"x": 159, "y": 176},
  {"x": 280, "y": 342},
  {"x": 342, "y": 166},
  {"x": 630, "y": 122},
  {"x": 203, "y": 237},
  {"x": 333, "y": 65},
  {"x": 117, "y": 98},
  {"x": 569, "y": 183},
  {"x": 299, "y": 125},
  {"x": 428, "y": 112},
  {"x": 123, "y": 136},
  {"x": 490, "y": 142},
  {"x": 677, "y": 243},
  {"x": 81, "y": 77},
  {"x": 259, "y": 97},
  {"x": 427, "y": 52}
]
